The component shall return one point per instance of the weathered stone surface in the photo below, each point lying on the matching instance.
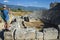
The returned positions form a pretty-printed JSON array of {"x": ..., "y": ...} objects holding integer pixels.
[
  {"x": 30, "y": 33},
  {"x": 8, "y": 35},
  {"x": 39, "y": 35},
  {"x": 14, "y": 26},
  {"x": 19, "y": 39},
  {"x": 0, "y": 39},
  {"x": 39, "y": 39},
  {"x": 51, "y": 39},
  {"x": 50, "y": 33},
  {"x": 8, "y": 39},
  {"x": 20, "y": 34},
  {"x": 25, "y": 34},
  {"x": 20, "y": 22},
  {"x": 30, "y": 39}
]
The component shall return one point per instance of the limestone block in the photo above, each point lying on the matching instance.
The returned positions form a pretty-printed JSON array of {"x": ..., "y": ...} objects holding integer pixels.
[
  {"x": 8, "y": 39},
  {"x": 39, "y": 35},
  {"x": 30, "y": 33},
  {"x": 51, "y": 39},
  {"x": 8, "y": 35},
  {"x": 39, "y": 39},
  {"x": 14, "y": 26},
  {"x": 50, "y": 33},
  {"x": 30, "y": 39},
  {"x": 20, "y": 34},
  {"x": 19, "y": 39}
]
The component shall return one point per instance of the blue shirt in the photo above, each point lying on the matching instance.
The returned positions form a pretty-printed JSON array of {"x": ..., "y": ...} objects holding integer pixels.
[{"x": 5, "y": 15}]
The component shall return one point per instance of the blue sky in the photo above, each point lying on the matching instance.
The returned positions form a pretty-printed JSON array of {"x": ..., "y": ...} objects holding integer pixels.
[{"x": 36, "y": 3}]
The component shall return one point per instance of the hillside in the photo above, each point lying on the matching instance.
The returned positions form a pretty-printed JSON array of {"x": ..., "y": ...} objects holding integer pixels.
[{"x": 29, "y": 8}]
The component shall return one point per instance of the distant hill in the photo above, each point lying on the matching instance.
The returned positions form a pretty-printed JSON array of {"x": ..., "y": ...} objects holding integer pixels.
[{"x": 29, "y": 8}]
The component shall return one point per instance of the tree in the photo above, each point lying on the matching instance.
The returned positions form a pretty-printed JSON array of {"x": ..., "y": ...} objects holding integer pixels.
[{"x": 19, "y": 9}]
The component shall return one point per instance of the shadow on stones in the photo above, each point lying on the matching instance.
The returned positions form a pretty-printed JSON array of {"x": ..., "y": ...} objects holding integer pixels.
[
  {"x": 2, "y": 35},
  {"x": 14, "y": 34}
]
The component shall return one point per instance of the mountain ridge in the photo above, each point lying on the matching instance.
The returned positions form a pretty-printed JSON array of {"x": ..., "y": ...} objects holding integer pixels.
[{"x": 29, "y": 8}]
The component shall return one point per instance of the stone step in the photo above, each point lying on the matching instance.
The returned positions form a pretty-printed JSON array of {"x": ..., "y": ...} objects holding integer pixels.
[
  {"x": 39, "y": 36},
  {"x": 8, "y": 35},
  {"x": 50, "y": 33},
  {"x": 20, "y": 34}
]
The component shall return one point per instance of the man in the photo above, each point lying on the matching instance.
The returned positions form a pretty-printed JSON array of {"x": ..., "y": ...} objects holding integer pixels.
[{"x": 5, "y": 16}]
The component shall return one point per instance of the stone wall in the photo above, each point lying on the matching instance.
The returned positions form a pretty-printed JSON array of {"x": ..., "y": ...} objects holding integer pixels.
[{"x": 31, "y": 34}]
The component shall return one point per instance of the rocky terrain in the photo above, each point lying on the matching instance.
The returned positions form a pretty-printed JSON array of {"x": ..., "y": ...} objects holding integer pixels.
[{"x": 27, "y": 30}]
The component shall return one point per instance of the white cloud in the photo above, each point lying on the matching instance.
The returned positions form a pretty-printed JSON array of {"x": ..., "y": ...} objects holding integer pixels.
[{"x": 5, "y": 0}]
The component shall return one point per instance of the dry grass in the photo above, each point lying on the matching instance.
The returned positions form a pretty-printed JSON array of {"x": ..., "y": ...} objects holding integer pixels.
[
  {"x": 20, "y": 13},
  {"x": 36, "y": 24}
]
